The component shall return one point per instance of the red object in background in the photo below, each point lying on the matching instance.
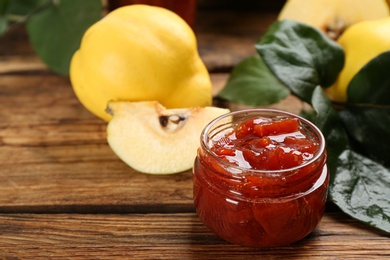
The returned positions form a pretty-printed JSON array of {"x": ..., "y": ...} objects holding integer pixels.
[
  {"x": 186, "y": 9},
  {"x": 273, "y": 196}
]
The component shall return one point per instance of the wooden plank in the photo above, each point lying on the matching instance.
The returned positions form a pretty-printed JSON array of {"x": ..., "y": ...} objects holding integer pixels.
[
  {"x": 171, "y": 236},
  {"x": 54, "y": 154},
  {"x": 55, "y": 157},
  {"x": 101, "y": 185},
  {"x": 225, "y": 37},
  {"x": 15, "y": 42},
  {"x": 21, "y": 63}
]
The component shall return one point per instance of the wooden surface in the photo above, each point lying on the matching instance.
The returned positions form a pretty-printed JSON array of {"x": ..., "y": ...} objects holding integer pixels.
[{"x": 64, "y": 193}]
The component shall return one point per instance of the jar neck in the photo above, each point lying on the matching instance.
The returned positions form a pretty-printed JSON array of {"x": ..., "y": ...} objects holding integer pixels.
[
  {"x": 222, "y": 175},
  {"x": 254, "y": 184}
]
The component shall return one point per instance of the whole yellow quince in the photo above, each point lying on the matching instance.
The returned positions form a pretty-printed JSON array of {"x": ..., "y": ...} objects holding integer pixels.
[
  {"x": 139, "y": 53},
  {"x": 362, "y": 42}
]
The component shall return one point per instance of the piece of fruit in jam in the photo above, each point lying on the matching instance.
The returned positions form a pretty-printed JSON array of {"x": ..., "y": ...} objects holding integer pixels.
[{"x": 265, "y": 144}]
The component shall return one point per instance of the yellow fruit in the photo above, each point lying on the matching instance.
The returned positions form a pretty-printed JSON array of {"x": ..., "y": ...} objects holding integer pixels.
[
  {"x": 155, "y": 140},
  {"x": 140, "y": 53},
  {"x": 361, "y": 42},
  {"x": 334, "y": 16}
]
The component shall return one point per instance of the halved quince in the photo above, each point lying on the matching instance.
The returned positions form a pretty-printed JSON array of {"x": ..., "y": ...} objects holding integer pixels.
[
  {"x": 334, "y": 16},
  {"x": 152, "y": 139}
]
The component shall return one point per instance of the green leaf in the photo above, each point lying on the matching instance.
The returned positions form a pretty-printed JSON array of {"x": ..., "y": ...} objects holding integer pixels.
[
  {"x": 55, "y": 32},
  {"x": 329, "y": 122},
  {"x": 3, "y": 25},
  {"x": 371, "y": 85},
  {"x": 301, "y": 56},
  {"x": 357, "y": 137},
  {"x": 18, "y": 12},
  {"x": 369, "y": 127},
  {"x": 23, "y": 7},
  {"x": 3, "y": 19},
  {"x": 361, "y": 189},
  {"x": 3, "y": 6},
  {"x": 252, "y": 83},
  {"x": 367, "y": 114},
  {"x": 309, "y": 113},
  {"x": 359, "y": 186}
]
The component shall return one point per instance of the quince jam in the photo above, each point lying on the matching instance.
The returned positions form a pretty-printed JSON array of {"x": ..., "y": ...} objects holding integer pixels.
[{"x": 260, "y": 177}]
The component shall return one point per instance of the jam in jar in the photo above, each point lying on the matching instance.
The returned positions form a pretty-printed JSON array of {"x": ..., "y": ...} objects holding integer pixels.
[{"x": 260, "y": 177}]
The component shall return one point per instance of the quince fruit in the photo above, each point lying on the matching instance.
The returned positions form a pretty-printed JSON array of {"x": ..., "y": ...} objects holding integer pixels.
[
  {"x": 139, "y": 53},
  {"x": 334, "y": 16},
  {"x": 155, "y": 140},
  {"x": 361, "y": 42}
]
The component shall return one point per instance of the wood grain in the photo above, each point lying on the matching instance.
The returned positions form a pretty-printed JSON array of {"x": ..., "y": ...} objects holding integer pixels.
[
  {"x": 55, "y": 156},
  {"x": 55, "y": 161},
  {"x": 171, "y": 236},
  {"x": 225, "y": 37}
]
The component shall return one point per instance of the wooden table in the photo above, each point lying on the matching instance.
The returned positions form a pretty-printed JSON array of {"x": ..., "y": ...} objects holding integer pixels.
[{"x": 64, "y": 193}]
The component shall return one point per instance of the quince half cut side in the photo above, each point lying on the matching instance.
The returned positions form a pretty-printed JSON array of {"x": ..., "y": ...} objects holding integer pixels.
[
  {"x": 334, "y": 16},
  {"x": 155, "y": 140}
]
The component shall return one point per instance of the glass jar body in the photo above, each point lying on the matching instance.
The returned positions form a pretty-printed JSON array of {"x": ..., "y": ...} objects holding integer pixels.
[{"x": 259, "y": 208}]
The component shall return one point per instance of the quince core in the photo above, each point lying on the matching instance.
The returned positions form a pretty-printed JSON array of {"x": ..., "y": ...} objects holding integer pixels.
[
  {"x": 334, "y": 16},
  {"x": 155, "y": 140}
]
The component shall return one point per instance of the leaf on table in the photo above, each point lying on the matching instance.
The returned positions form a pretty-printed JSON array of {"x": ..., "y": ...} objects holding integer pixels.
[
  {"x": 3, "y": 18},
  {"x": 329, "y": 122},
  {"x": 17, "y": 12},
  {"x": 301, "y": 56},
  {"x": 306, "y": 61},
  {"x": 3, "y": 24},
  {"x": 358, "y": 185},
  {"x": 23, "y": 7},
  {"x": 369, "y": 127},
  {"x": 361, "y": 189},
  {"x": 3, "y": 6},
  {"x": 367, "y": 114},
  {"x": 55, "y": 32},
  {"x": 252, "y": 83}
]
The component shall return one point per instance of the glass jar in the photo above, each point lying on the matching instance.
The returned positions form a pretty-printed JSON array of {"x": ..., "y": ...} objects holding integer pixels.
[{"x": 257, "y": 207}]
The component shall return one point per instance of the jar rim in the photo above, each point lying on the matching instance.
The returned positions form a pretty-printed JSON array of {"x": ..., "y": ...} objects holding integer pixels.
[{"x": 204, "y": 140}]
